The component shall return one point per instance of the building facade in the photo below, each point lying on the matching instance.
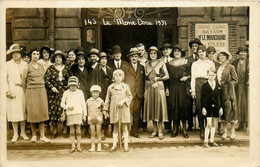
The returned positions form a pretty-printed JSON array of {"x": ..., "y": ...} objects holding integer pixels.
[{"x": 65, "y": 28}]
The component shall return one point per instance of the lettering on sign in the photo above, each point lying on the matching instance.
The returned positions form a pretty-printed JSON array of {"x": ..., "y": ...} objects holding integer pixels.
[
  {"x": 213, "y": 34},
  {"x": 121, "y": 21}
]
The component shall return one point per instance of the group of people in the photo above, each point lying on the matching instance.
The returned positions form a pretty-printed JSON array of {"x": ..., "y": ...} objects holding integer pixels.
[{"x": 90, "y": 92}]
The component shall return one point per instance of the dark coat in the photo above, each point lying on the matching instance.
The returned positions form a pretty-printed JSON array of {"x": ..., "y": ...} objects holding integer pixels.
[
  {"x": 135, "y": 80},
  {"x": 123, "y": 67},
  {"x": 210, "y": 97},
  {"x": 235, "y": 64},
  {"x": 85, "y": 78},
  {"x": 102, "y": 79}
]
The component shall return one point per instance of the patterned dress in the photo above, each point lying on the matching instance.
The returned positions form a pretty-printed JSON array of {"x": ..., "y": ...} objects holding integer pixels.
[{"x": 58, "y": 79}]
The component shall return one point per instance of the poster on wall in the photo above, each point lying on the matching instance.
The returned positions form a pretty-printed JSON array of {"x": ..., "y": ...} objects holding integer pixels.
[{"x": 213, "y": 34}]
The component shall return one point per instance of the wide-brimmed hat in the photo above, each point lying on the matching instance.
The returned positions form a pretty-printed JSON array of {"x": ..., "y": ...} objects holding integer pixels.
[
  {"x": 93, "y": 51},
  {"x": 115, "y": 49},
  {"x": 133, "y": 51},
  {"x": 241, "y": 49},
  {"x": 211, "y": 49},
  {"x": 13, "y": 48},
  {"x": 225, "y": 52},
  {"x": 95, "y": 88},
  {"x": 73, "y": 80},
  {"x": 177, "y": 46},
  {"x": 196, "y": 40},
  {"x": 56, "y": 53},
  {"x": 166, "y": 45}
]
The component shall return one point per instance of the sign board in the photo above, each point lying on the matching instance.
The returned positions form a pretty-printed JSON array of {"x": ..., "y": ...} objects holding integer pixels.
[{"x": 213, "y": 34}]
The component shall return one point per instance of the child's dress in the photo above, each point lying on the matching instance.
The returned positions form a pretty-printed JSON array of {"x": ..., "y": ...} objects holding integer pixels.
[
  {"x": 94, "y": 109},
  {"x": 114, "y": 96},
  {"x": 75, "y": 99}
]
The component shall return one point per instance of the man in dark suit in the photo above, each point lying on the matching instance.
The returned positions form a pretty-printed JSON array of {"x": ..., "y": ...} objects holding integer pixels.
[
  {"x": 134, "y": 77},
  {"x": 117, "y": 62},
  {"x": 193, "y": 44}
]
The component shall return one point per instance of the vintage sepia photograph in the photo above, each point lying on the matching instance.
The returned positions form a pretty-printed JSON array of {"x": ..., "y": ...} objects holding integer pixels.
[{"x": 127, "y": 85}]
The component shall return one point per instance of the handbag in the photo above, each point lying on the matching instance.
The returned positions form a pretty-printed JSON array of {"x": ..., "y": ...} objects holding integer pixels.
[{"x": 63, "y": 116}]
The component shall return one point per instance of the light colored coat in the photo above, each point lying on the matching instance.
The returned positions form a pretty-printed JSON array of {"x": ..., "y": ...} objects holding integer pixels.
[
  {"x": 113, "y": 97},
  {"x": 15, "y": 107}
]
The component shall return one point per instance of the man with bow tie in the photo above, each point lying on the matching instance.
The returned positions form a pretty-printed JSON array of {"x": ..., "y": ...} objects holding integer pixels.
[{"x": 134, "y": 77}]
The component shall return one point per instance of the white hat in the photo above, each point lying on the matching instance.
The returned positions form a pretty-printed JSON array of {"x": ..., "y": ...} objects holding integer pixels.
[
  {"x": 118, "y": 71},
  {"x": 95, "y": 88},
  {"x": 73, "y": 81}
]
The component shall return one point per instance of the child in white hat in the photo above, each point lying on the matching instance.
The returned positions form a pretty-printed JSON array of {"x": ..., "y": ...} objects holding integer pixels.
[
  {"x": 73, "y": 102},
  {"x": 117, "y": 104},
  {"x": 95, "y": 107}
]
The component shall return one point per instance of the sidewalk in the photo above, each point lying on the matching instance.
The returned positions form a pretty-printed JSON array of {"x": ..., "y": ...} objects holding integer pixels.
[{"x": 241, "y": 136}]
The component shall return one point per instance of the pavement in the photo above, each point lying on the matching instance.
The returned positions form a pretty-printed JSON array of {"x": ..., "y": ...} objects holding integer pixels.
[{"x": 241, "y": 137}]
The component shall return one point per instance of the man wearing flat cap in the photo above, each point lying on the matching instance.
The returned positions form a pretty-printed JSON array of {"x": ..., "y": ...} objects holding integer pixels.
[{"x": 134, "y": 77}]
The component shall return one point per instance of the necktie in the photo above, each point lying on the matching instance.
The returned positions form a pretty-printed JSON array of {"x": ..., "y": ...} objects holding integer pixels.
[{"x": 118, "y": 65}]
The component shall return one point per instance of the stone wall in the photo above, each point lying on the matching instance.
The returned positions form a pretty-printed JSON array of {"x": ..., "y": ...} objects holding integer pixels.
[{"x": 30, "y": 27}]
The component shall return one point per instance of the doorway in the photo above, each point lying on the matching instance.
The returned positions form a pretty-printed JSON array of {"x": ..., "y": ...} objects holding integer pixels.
[{"x": 127, "y": 37}]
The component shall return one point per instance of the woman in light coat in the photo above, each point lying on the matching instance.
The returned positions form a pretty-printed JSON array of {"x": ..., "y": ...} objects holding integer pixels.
[{"x": 15, "y": 101}]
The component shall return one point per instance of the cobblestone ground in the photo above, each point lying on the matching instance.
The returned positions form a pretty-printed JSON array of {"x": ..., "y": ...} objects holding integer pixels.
[{"x": 139, "y": 155}]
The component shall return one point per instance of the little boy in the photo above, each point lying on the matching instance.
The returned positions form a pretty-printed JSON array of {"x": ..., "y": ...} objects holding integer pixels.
[
  {"x": 95, "y": 107},
  {"x": 211, "y": 106}
]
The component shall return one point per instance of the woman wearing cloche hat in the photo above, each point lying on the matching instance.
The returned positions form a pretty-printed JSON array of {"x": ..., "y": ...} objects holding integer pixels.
[
  {"x": 242, "y": 68},
  {"x": 227, "y": 79},
  {"x": 56, "y": 81},
  {"x": 15, "y": 101}
]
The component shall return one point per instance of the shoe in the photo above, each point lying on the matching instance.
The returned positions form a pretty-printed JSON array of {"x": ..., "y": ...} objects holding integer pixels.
[
  {"x": 160, "y": 136},
  {"x": 189, "y": 128},
  {"x": 185, "y": 135},
  {"x": 112, "y": 149},
  {"x": 87, "y": 134},
  {"x": 24, "y": 136},
  {"x": 224, "y": 136},
  {"x": 45, "y": 139},
  {"x": 65, "y": 135},
  {"x": 99, "y": 148},
  {"x": 15, "y": 138},
  {"x": 136, "y": 135},
  {"x": 92, "y": 149},
  {"x": 103, "y": 138},
  {"x": 144, "y": 129},
  {"x": 55, "y": 135},
  {"x": 79, "y": 149},
  {"x": 213, "y": 144},
  {"x": 205, "y": 145},
  {"x": 232, "y": 136},
  {"x": 153, "y": 135},
  {"x": 173, "y": 134},
  {"x": 126, "y": 149},
  {"x": 34, "y": 138},
  {"x": 72, "y": 150}
]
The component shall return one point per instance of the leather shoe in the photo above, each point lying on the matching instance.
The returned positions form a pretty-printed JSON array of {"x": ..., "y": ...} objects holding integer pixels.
[
  {"x": 173, "y": 134},
  {"x": 136, "y": 135},
  {"x": 112, "y": 149},
  {"x": 153, "y": 135}
]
